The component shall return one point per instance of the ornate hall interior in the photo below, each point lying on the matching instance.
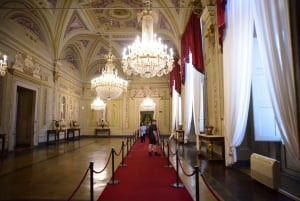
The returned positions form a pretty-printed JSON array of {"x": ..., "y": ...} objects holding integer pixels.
[{"x": 54, "y": 57}]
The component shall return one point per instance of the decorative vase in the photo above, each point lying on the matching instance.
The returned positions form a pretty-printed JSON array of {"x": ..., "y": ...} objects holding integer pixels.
[
  {"x": 56, "y": 124},
  {"x": 209, "y": 130}
]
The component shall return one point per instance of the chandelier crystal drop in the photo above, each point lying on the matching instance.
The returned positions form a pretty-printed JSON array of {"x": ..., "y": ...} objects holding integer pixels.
[
  {"x": 98, "y": 104},
  {"x": 109, "y": 85},
  {"x": 3, "y": 64},
  {"x": 147, "y": 57}
]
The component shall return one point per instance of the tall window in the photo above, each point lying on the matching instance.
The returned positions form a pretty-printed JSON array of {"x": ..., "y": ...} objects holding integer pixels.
[{"x": 265, "y": 126}]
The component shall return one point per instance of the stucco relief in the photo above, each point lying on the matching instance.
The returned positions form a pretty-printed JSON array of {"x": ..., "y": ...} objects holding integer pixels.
[
  {"x": 145, "y": 92},
  {"x": 27, "y": 65}
]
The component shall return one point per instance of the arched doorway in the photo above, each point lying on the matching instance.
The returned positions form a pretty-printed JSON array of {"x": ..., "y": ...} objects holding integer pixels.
[
  {"x": 147, "y": 111},
  {"x": 146, "y": 117}
]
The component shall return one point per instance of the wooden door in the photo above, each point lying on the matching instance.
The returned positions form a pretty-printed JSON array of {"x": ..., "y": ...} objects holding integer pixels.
[{"x": 25, "y": 117}]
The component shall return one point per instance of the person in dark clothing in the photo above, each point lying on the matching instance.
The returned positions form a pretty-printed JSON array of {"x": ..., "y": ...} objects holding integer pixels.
[{"x": 153, "y": 138}]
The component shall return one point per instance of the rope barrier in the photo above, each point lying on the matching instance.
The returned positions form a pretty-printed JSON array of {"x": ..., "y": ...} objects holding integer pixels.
[
  {"x": 127, "y": 142},
  {"x": 210, "y": 188},
  {"x": 113, "y": 181},
  {"x": 172, "y": 153},
  {"x": 92, "y": 181},
  {"x": 92, "y": 171},
  {"x": 78, "y": 186},
  {"x": 184, "y": 172},
  {"x": 97, "y": 172},
  {"x": 122, "y": 162},
  {"x": 177, "y": 184},
  {"x": 168, "y": 157},
  {"x": 118, "y": 154},
  {"x": 195, "y": 172}
]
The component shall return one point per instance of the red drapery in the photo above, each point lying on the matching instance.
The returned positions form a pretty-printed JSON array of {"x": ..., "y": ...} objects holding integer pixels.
[
  {"x": 191, "y": 41},
  {"x": 175, "y": 76},
  {"x": 221, "y": 20}
]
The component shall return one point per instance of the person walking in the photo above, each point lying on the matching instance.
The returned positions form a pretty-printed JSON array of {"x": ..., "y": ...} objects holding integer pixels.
[
  {"x": 153, "y": 138},
  {"x": 143, "y": 129}
]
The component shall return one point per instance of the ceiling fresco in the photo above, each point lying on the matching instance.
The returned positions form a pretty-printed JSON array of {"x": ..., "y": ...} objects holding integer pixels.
[{"x": 81, "y": 31}]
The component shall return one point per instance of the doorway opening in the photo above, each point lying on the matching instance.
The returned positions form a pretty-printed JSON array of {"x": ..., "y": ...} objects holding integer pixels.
[
  {"x": 146, "y": 117},
  {"x": 25, "y": 118}
]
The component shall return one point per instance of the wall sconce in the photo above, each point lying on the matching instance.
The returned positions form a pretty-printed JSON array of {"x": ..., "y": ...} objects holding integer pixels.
[{"x": 3, "y": 64}]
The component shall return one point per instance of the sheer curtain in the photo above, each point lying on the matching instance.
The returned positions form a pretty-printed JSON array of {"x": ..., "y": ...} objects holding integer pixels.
[
  {"x": 273, "y": 35},
  {"x": 175, "y": 108},
  {"x": 237, "y": 48},
  {"x": 188, "y": 97},
  {"x": 198, "y": 103},
  {"x": 198, "y": 100}
]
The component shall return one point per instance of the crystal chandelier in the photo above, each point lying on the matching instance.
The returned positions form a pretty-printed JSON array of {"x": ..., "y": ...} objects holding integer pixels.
[
  {"x": 98, "y": 104},
  {"x": 3, "y": 64},
  {"x": 148, "y": 57},
  {"x": 109, "y": 85}
]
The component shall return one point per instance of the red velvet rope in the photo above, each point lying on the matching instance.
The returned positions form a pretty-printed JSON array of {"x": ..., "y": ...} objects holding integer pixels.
[
  {"x": 97, "y": 172},
  {"x": 81, "y": 181},
  {"x": 94, "y": 171},
  {"x": 187, "y": 174},
  {"x": 118, "y": 154},
  {"x": 210, "y": 189},
  {"x": 172, "y": 153}
]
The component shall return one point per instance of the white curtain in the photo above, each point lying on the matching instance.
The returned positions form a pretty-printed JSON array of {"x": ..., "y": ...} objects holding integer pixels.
[
  {"x": 175, "y": 108},
  {"x": 237, "y": 48},
  {"x": 202, "y": 102},
  {"x": 179, "y": 110},
  {"x": 197, "y": 99},
  {"x": 189, "y": 94},
  {"x": 273, "y": 35}
]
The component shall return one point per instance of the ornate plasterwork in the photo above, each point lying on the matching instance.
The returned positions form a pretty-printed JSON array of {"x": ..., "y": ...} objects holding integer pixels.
[
  {"x": 29, "y": 25},
  {"x": 144, "y": 92},
  {"x": 75, "y": 23},
  {"x": 27, "y": 65},
  {"x": 84, "y": 43},
  {"x": 52, "y": 3}
]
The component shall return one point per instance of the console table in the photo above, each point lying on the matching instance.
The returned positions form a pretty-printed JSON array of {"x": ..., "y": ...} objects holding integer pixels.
[
  {"x": 210, "y": 140},
  {"x": 180, "y": 136},
  {"x": 56, "y": 135},
  {"x": 71, "y": 132},
  {"x": 102, "y": 130}
]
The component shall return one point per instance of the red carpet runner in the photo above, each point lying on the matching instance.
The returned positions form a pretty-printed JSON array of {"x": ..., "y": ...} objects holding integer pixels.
[{"x": 144, "y": 178}]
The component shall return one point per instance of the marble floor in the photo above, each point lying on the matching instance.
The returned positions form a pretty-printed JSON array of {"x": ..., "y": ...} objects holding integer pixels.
[{"x": 52, "y": 173}]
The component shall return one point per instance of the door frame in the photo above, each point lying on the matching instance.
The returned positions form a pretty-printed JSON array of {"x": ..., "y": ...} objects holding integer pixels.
[{"x": 12, "y": 133}]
